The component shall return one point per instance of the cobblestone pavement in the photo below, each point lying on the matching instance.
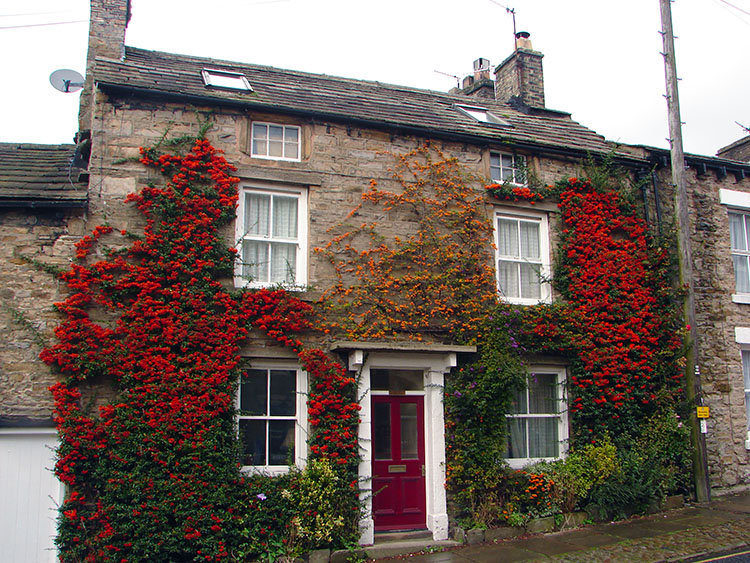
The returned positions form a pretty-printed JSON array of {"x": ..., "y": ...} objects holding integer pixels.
[{"x": 685, "y": 534}]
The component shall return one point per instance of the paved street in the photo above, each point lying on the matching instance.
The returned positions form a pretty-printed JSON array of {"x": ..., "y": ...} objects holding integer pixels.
[{"x": 690, "y": 534}]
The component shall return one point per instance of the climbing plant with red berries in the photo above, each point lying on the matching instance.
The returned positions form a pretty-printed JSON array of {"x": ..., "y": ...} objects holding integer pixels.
[
  {"x": 622, "y": 323},
  {"x": 153, "y": 473}
]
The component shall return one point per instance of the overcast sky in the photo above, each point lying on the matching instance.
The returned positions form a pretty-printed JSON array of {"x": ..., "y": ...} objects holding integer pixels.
[{"x": 602, "y": 60}]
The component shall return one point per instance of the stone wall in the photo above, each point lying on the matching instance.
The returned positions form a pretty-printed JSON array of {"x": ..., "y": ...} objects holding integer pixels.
[
  {"x": 27, "y": 294},
  {"x": 717, "y": 316},
  {"x": 338, "y": 163}
]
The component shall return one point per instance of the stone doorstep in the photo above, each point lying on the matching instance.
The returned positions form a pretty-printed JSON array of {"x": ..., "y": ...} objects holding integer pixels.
[{"x": 405, "y": 547}]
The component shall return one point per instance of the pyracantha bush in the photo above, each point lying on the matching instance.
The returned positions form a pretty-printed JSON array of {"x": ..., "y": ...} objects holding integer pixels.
[{"x": 153, "y": 474}]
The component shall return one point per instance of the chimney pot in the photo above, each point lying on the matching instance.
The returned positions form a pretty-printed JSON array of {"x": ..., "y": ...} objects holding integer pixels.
[
  {"x": 523, "y": 41},
  {"x": 481, "y": 69}
]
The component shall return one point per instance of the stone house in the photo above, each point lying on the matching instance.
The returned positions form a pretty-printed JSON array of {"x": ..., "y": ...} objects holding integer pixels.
[{"x": 306, "y": 147}]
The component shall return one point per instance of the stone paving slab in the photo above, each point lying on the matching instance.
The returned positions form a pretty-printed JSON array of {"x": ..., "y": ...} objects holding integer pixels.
[{"x": 679, "y": 535}]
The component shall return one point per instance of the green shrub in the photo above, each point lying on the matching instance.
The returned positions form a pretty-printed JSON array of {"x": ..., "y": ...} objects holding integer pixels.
[
  {"x": 575, "y": 475},
  {"x": 658, "y": 464},
  {"x": 320, "y": 518}
]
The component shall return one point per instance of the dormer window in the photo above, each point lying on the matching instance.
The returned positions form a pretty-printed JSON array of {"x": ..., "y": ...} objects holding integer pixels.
[
  {"x": 225, "y": 80},
  {"x": 482, "y": 114}
]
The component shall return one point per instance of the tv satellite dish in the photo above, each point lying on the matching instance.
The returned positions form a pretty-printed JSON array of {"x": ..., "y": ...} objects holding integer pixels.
[{"x": 66, "y": 80}]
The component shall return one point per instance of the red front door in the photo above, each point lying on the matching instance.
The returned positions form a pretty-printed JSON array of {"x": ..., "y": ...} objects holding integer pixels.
[{"x": 398, "y": 482}]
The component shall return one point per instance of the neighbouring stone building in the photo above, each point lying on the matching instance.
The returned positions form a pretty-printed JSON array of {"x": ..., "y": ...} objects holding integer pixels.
[
  {"x": 739, "y": 150},
  {"x": 42, "y": 213},
  {"x": 306, "y": 147}
]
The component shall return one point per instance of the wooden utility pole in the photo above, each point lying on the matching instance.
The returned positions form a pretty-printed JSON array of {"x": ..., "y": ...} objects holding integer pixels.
[{"x": 692, "y": 368}]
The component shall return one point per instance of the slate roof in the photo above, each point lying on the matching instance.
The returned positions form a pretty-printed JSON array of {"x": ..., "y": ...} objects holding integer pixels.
[
  {"x": 39, "y": 176},
  {"x": 375, "y": 104}
]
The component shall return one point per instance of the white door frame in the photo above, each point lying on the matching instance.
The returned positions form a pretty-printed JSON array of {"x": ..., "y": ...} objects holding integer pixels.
[{"x": 434, "y": 366}]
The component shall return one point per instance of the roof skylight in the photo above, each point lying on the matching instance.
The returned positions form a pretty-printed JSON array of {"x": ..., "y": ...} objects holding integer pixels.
[
  {"x": 482, "y": 114},
  {"x": 225, "y": 79}
]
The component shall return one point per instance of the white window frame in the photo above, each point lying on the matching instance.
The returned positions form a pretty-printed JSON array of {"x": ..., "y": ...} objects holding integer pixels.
[
  {"x": 482, "y": 114},
  {"x": 738, "y": 203},
  {"x": 742, "y": 337},
  {"x": 746, "y": 387},
  {"x": 300, "y": 426},
  {"x": 285, "y": 128},
  {"x": 542, "y": 220},
  {"x": 301, "y": 240},
  {"x": 562, "y": 416},
  {"x": 517, "y": 169},
  {"x": 225, "y": 79},
  {"x": 739, "y": 253}
]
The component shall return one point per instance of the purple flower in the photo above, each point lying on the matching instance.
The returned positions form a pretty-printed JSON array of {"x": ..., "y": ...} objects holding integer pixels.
[
  {"x": 261, "y": 496},
  {"x": 457, "y": 393}
]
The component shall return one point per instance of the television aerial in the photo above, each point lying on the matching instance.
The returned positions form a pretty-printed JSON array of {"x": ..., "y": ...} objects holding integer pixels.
[{"x": 66, "y": 80}]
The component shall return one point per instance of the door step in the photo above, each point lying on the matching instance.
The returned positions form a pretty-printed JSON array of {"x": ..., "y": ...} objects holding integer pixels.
[
  {"x": 390, "y": 544},
  {"x": 402, "y": 535}
]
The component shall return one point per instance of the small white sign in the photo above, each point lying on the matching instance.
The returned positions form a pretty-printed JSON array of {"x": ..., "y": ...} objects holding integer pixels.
[{"x": 704, "y": 426}]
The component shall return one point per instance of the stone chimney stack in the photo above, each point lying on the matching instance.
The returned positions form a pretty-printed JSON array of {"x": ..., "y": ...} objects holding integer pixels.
[
  {"x": 519, "y": 78},
  {"x": 109, "y": 20},
  {"x": 479, "y": 84}
]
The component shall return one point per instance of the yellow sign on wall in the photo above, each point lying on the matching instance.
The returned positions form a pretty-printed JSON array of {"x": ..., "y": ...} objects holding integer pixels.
[{"x": 701, "y": 412}]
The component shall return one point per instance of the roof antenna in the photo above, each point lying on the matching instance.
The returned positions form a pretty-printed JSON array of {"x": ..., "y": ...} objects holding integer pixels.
[
  {"x": 512, "y": 12},
  {"x": 458, "y": 78},
  {"x": 66, "y": 81}
]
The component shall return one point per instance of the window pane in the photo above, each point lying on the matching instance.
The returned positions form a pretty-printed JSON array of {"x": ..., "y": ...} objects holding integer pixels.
[
  {"x": 275, "y": 133},
  {"x": 260, "y": 147},
  {"x": 495, "y": 160},
  {"x": 543, "y": 441},
  {"x": 507, "y": 161},
  {"x": 543, "y": 393},
  {"x": 409, "y": 438},
  {"x": 291, "y": 149},
  {"x": 397, "y": 379},
  {"x": 275, "y": 140},
  {"x": 737, "y": 231},
  {"x": 530, "y": 240},
  {"x": 291, "y": 134},
  {"x": 516, "y": 438},
  {"x": 518, "y": 405},
  {"x": 260, "y": 131},
  {"x": 280, "y": 442},
  {"x": 253, "y": 440},
  {"x": 254, "y": 392},
  {"x": 381, "y": 424},
  {"x": 276, "y": 149},
  {"x": 283, "y": 262},
  {"x": 741, "y": 273},
  {"x": 283, "y": 392},
  {"x": 285, "y": 217},
  {"x": 530, "y": 282},
  {"x": 507, "y": 276},
  {"x": 507, "y": 237},
  {"x": 257, "y": 213},
  {"x": 255, "y": 260},
  {"x": 260, "y": 135}
]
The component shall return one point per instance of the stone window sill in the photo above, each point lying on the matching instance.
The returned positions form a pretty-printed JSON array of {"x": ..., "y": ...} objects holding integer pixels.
[{"x": 741, "y": 298}]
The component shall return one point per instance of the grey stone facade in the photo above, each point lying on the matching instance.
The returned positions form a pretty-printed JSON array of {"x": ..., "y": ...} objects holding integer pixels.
[{"x": 340, "y": 155}]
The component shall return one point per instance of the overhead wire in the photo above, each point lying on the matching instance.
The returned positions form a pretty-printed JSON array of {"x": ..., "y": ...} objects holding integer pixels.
[
  {"x": 40, "y": 24},
  {"x": 723, "y": 4}
]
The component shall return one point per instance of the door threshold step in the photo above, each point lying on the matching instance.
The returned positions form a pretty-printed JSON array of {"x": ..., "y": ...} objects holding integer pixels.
[
  {"x": 399, "y": 535},
  {"x": 406, "y": 547}
]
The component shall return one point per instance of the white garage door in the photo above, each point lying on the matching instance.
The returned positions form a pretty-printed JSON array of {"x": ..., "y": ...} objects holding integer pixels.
[{"x": 29, "y": 495}]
